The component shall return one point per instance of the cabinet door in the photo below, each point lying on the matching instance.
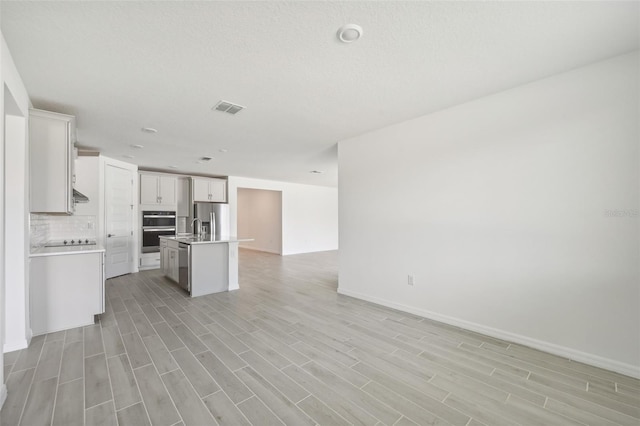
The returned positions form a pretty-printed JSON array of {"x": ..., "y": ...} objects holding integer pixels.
[
  {"x": 149, "y": 189},
  {"x": 200, "y": 190},
  {"x": 61, "y": 300},
  {"x": 173, "y": 264},
  {"x": 183, "y": 197},
  {"x": 218, "y": 190},
  {"x": 163, "y": 259},
  {"x": 50, "y": 158},
  {"x": 167, "y": 190}
]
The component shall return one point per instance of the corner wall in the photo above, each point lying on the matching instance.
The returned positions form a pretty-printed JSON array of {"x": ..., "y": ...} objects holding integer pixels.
[
  {"x": 14, "y": 323},
  {"x": 309, "y": 213},
  {"x": 517, "y": 213}
]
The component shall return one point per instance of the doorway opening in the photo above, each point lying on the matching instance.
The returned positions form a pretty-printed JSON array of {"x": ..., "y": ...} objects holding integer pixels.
[{"x": 260, "y": 217}]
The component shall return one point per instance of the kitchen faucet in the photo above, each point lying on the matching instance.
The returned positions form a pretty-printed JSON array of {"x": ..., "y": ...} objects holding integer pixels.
[{"x": 198, "y": 229}]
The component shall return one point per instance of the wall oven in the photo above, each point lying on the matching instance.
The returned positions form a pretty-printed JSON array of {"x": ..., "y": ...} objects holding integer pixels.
[{"x": 155, "y": 224}]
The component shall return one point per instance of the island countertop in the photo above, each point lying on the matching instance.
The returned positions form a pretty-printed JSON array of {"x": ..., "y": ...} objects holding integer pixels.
[{"x": 204, "y": 239}]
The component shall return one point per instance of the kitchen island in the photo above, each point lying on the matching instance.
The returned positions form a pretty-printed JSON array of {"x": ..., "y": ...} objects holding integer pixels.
[{"x": 201, "y": 264}]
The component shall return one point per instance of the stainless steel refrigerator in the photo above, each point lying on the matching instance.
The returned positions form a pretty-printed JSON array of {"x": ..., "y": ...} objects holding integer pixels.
[{"x": 219, "y": 213}]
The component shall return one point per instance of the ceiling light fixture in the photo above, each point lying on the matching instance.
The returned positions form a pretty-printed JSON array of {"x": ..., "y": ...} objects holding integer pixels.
[
  {"x": 349, "y": 33},
  {"x": 316, "y": 172},
  {"x": 137, "y": 146},
  {"x": 173, "y": 167},
  {"x": 223, "y": 150},
  {"x": 149, "y": 130}
]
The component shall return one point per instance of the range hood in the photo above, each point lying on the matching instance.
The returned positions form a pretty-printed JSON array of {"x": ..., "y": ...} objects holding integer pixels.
[{"x": 79, "y": 197}]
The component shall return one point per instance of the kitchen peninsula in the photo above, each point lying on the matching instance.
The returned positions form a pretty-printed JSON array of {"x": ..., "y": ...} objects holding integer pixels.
[{"x": 201, "y": 264}]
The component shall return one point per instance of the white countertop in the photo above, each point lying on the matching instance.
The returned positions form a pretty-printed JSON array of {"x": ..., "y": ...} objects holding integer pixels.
[
  {"x": 57, "y": 251},
  {"x": 205, "y": 239}
]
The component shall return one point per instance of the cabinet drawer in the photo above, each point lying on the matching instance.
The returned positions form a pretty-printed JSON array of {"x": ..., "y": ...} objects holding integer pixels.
[{"x": 150, "y": 260}]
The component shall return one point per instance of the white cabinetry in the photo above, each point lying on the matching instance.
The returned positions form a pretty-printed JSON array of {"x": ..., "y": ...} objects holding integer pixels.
[
  {"x": 209, "y": 190},
  {"x": 164, "y": 256},
  {"x": 157, "y": 189},
  {"x": 169, "y": 258},
  {"x": 51, "y": 139},
  {"x": 66, "y": 291},
  {"x": 174, "y": 264},
  {"x": 173, "y": 260},
  {"x": 149, "y": 261}
]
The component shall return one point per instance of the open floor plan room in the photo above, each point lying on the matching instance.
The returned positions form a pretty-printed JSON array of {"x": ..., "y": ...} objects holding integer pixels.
[{"x": 287, "y": 349}]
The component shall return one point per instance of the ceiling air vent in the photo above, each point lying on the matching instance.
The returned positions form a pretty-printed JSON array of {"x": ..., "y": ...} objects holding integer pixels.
[{"x": 228, "y": 107}]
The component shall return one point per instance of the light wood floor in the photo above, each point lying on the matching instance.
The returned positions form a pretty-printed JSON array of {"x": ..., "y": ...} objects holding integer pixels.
[{"x": 286, "y": 349}]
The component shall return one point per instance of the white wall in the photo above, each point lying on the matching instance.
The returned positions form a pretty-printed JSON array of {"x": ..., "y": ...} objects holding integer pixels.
[
  {"x": 14, "y": 331},
  {"x": 499, "y": 207},
  {"x": 87, "y": 170},
  {"x": 17, "y": 328},
  {"x": 309, "y": 213},
  {"x": 260, "y": 216}
]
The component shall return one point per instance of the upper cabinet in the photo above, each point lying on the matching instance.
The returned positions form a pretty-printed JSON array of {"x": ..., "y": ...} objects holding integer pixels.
[
  {"x": 158, "y": 189},
  {"x": 51, "y": 139},
  {"x": 208, "y": 190}
]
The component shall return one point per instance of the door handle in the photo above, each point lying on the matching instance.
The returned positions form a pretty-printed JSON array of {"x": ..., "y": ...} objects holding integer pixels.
[{"x": 110, "y": 235}]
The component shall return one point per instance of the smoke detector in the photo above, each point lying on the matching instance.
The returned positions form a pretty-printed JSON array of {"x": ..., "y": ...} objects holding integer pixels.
[{"x": 228, "y": 107}]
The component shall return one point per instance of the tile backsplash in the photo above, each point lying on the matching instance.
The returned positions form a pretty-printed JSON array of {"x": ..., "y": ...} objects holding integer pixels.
[{"x": 46, "y": 227}]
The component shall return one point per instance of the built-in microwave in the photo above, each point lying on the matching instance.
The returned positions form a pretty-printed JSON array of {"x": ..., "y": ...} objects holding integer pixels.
[{"x": 154, "y": 225}]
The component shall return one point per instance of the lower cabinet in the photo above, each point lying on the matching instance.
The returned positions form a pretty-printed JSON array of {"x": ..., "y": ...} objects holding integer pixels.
[
  {"x": 170, "y": 259},
  {"x": 164, "y": 256},
  {"x": 66, "y": 291},
  {"x": 174, "y": 264}
]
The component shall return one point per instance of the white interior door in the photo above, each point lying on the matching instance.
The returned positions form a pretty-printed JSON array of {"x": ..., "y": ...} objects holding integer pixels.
[{"x": 119, "y": 220}]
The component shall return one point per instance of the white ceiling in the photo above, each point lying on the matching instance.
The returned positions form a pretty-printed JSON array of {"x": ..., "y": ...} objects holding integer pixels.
[{"x": 121, "y": 66}]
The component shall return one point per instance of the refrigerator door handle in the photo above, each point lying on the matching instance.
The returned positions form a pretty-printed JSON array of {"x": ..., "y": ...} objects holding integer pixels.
[{"x": 212, "y": 226}]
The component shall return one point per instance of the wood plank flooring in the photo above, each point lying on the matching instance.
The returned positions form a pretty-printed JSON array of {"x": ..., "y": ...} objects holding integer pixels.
[{"x": 287, "y": 349}]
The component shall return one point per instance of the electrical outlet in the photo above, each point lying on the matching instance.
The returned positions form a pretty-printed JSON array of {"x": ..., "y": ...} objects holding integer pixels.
[{"x": 410, "y": 279}]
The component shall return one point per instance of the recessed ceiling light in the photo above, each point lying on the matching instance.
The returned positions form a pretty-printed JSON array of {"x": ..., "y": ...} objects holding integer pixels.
[
  {"x": 137, "y": 146},
  {"x": 316, "y": 172},
  {"x": 349, "y": 33},
  {"x": 173, "y": 167},
  {"x": 223, "y": 150},
  {"x": 128, "y": 156},
  {"x": 149, "y": 130}
]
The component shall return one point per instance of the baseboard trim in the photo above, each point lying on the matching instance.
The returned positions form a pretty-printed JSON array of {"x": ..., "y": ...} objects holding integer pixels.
[
  {"x": 3, "y": 395},
  {"x": 257, "y": 249},
  {"x": 15, "y": 346},
  {"x": 552, "y": 348}
]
